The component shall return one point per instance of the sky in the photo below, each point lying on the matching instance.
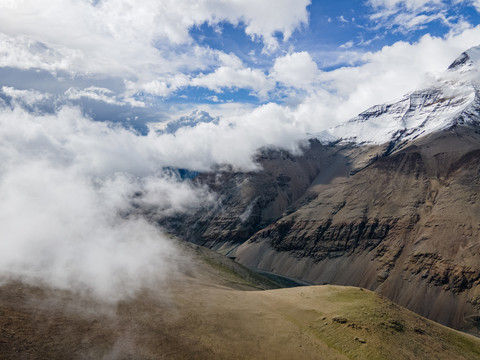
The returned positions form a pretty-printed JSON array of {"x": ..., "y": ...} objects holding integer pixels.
[
  {"x": 153, "y": 61},
  {"x": 101, "y": 99}
]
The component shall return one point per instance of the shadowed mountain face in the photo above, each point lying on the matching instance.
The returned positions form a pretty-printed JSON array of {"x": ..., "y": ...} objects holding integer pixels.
[
  {"x": 407, "y": 226},
  {"x": 404, "y": 224},
  {"x": 397, "y": 211},
  {"x": 248, "y": 202}
]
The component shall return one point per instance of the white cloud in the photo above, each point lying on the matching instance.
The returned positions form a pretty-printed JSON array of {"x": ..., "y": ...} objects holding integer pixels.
[
  {"x": 408, "y": 15},
  {"x": 25, "y": 97},
  {"x": 476, "y": 3},
  {"x": 101, "y": 94},
  {"x": 23, "y": 52},
  {"x": 191, "y": 120},
  {"x": 137, "y": 41},
  {"x": 296, "y": 70},
  {"x": 94, "y": 93},
  {"x": 233, "y": 140},
  {"x": 65, "y": 231},
  {"x": 346, "y": 45},
  {"x": 283, "y": 16},
  {"x": 232, "y": 74},
  {"x": 67, "y": 186},
  {"x": 233, "y": 77}
]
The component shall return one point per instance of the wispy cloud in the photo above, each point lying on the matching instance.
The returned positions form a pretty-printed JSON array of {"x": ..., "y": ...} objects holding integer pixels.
[
  {"x": 346, "y": 45},
  {"x": 411, "y": 15},
  {"x": 25, "y": 97}
]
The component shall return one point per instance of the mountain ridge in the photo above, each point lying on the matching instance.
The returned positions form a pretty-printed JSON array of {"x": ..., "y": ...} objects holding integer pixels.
[
  {"x": 454, "y": 98},
  {"x": 399, "y": 217}
]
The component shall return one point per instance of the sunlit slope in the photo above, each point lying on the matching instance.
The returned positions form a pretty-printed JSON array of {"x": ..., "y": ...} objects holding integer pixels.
[{"x": 202, "y": 313}]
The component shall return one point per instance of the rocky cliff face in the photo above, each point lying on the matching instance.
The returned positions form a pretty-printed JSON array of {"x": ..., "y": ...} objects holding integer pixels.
[
  {"x": 248, "y": 202},
  {"x": 393, "y": 206},
  {"x": 407, "y": 226}
]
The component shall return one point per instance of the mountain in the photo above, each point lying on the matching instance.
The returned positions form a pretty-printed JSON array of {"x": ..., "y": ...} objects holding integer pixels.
[
  {"x": 451, "y": 100},
  {"x": 388, "y": 201},
  {"x": 213, "y": 308}
]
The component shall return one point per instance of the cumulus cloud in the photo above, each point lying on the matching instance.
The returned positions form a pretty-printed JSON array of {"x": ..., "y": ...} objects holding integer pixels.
[
  {"x": 476, "y": 3},
  {"x": 191, "y": 120},
  {"x": 295, "y": 69},
  {"x": 234, "y": 77},
  {"x": 94, "y": 93},
  {"x": 283, "y": 16},
  {"x": 232, "y": 140},
  {"x": 137, "y": 41}
]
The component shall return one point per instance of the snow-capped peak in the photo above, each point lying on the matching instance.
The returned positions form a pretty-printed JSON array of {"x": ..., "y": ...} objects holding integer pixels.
[
  {"x": 453, "y": 99},
  {"x": 468, "y": 60}
]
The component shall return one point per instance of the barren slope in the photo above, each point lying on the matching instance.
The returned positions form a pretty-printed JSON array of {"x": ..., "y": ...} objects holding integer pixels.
[
  {"x": 407, "y": 226},
  {"x": 207, "y": 312}
]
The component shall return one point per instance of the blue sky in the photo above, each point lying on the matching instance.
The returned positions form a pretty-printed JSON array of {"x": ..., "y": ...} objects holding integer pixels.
[{"x": 155, "y": 61}]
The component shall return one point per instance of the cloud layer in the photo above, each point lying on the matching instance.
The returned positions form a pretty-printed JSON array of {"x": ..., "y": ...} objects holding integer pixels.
[{"x": 69, "y": 188}]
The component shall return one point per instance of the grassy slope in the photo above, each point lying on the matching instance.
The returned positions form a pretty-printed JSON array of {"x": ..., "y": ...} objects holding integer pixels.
[{"x": 208, "y": 313}]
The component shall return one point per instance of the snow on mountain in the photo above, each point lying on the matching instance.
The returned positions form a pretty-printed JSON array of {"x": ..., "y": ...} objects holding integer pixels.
[
  {"x": 452, "y": 99},
  {"x": 467, "y": 61},
  {"x": 192, "y": 120}
]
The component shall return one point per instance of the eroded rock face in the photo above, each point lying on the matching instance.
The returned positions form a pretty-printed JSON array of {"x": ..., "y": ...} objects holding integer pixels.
[
  {"x": 406, "y": 223},
  {"x": 408, "y": 226},
  {"x": 248, "y": 202},
  {"x": 320, "y": 240},
  {"x": 397, "y": 210}
]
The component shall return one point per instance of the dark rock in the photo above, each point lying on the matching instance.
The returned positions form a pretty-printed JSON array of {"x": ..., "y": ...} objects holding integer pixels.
[{"x": 339, "y": 319}]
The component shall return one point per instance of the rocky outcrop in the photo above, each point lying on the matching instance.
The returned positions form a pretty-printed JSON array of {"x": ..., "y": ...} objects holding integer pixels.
[
  {"x": 406, "y": 226},
  {"x": 405, "y": 223},
  {"x": 248, "y": 202},
  {"x": 320, "y": 240},
  {"x": 396, "y": 210}
]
